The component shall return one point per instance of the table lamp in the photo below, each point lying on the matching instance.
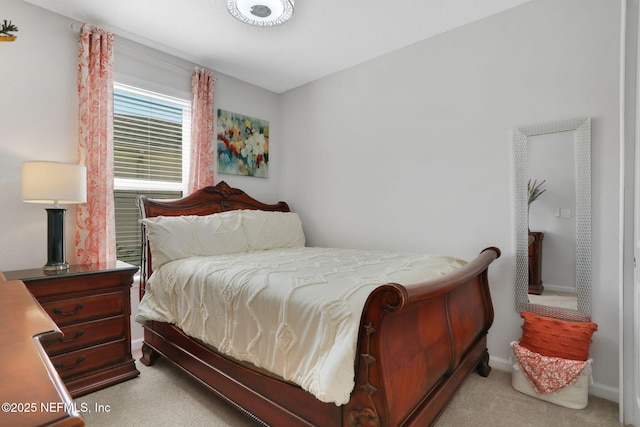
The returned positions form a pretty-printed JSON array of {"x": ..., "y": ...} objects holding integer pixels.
[{"x": 56, "y": 183}]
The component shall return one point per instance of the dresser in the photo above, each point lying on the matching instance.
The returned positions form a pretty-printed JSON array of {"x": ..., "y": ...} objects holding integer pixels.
[
  {"x": 31, "y": 392},
  {"x": 535, "y": 262},
  {"x": 91, "y": 305}
]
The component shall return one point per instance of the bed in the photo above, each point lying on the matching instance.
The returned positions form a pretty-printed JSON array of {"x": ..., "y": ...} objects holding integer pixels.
[{"x": 414, "y": 344}]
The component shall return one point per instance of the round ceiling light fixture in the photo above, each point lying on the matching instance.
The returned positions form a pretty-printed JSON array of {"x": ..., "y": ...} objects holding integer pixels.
[{"x": 261, "y": 13}]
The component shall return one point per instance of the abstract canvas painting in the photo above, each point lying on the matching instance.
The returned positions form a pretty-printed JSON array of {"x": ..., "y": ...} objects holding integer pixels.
[{"x": 243, "y": 145}]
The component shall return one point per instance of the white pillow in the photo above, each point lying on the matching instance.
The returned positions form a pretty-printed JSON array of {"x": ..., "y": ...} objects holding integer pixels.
[
  {"x": 271, "y": 230},
  {"x": 179, "y": 237}
]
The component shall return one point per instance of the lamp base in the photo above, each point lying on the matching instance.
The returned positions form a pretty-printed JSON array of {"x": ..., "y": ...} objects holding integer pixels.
[
  {"x": 55, "y": 241},
  {"x": 55, "y": 268}
]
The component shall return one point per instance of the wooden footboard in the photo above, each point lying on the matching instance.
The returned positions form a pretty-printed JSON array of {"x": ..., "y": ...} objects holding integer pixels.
[{"x": 416, "y": 343}]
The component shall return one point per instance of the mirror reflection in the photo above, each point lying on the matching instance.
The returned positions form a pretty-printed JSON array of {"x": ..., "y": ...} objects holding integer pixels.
[
  {"x": 553, "y": 219},
  {"x": 552, "y": 224}
]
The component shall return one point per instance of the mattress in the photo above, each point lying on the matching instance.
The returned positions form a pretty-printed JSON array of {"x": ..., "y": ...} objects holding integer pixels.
[{"x": 294, "y": 312}]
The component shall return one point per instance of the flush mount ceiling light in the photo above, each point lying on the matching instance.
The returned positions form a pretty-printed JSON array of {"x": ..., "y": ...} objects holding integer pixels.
[{"x": 262, "y": 13}]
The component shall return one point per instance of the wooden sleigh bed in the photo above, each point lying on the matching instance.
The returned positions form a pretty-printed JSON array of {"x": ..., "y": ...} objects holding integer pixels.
[{"x": 415, "y": 347}]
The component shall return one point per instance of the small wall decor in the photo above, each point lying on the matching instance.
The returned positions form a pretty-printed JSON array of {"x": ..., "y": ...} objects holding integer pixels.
[
  {"x": 5, "y": 31},
  {"x": 243, "y": 145}
]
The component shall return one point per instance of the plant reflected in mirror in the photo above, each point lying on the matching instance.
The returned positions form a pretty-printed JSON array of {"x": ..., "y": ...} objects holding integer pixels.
[{"x": 535, "y": 190}]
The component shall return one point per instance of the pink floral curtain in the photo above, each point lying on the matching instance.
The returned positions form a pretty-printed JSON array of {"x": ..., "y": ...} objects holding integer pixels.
[
  {"x": 95, "y": 220},
  {"x": 202, "y": 130}
]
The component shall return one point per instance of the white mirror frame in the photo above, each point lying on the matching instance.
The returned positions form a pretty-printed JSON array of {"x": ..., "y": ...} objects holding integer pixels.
[{"x": 581, "y": 128}]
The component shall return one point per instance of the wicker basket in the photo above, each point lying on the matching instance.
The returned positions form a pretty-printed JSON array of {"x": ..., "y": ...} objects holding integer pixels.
[{"x": 574, "y": 396}]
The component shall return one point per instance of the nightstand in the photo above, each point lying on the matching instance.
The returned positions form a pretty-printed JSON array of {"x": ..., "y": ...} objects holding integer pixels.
[
  {"x": 91, "y": 305},
  {"x": 535, "y": 262}
]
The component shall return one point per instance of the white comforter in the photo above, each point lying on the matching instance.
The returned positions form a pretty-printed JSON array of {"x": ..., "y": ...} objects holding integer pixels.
[{"x": 294, "y": 312}]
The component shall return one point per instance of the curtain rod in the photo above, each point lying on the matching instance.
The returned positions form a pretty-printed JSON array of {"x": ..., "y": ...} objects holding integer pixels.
[{"x": 122, "y": 41}]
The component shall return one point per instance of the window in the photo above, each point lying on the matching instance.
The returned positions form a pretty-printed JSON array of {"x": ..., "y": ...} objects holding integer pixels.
[{"x": 151, "y": 135}]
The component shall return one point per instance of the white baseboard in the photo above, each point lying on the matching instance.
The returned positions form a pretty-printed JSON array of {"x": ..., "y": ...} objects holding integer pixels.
[
  {"x": 604, "y": 392},
  {"x": 595, "y": 389},
  {"x": 558, "y": 288},
  {"x": 500, "y": 364},
  {"x": 136, "y": 345}
]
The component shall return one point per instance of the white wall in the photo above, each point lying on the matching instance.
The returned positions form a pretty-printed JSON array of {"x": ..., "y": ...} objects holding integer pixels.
[
  {"x": 38, "y": 122},
  {"x": 413, "y": 150},
  {"x": 629, "y": 296}
]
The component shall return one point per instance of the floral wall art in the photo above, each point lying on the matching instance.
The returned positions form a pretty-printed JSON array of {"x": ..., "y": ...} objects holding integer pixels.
[{"x": 243, "y": 145}]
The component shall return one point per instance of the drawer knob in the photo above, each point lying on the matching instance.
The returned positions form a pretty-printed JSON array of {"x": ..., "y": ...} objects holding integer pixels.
[
  {"x": 60, "y": 365},
  {"x": 78, "y": 335},
  {"x": 68, "y": 313}
]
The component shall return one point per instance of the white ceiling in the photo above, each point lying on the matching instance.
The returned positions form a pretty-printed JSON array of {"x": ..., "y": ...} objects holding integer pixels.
[{"x": 323, "y": 37}]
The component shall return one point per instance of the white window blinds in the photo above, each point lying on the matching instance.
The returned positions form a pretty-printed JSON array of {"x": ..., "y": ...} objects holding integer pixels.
[{"x": 151, "y": 142}]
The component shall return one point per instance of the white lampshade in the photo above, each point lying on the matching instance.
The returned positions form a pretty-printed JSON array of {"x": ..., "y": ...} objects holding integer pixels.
[
  {"x": 54, "y": 182},
  {"x": 262, "y": 13}
]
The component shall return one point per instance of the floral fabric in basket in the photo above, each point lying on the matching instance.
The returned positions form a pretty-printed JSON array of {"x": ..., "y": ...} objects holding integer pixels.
[{"x": 548, "y": 374}]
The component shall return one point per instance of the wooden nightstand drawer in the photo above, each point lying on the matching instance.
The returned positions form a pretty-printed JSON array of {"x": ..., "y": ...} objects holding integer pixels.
[
  {"x": 87, "y": 359},
  {"x": 84, "y": 308},
  {"x": 86, "y": 334}
]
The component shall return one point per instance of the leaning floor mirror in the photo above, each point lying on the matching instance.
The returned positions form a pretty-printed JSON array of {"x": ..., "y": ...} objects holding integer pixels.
[{"x": 553, "y": 219}]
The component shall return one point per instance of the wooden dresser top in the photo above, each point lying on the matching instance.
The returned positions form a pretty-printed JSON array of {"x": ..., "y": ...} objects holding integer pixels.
[{"x": 32, "y": 393}]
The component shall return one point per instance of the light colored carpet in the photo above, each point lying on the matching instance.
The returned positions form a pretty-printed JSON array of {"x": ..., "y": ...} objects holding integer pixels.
[
  {"x": 555, "y": 299},
  {"x": 163, "y": 396}
]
